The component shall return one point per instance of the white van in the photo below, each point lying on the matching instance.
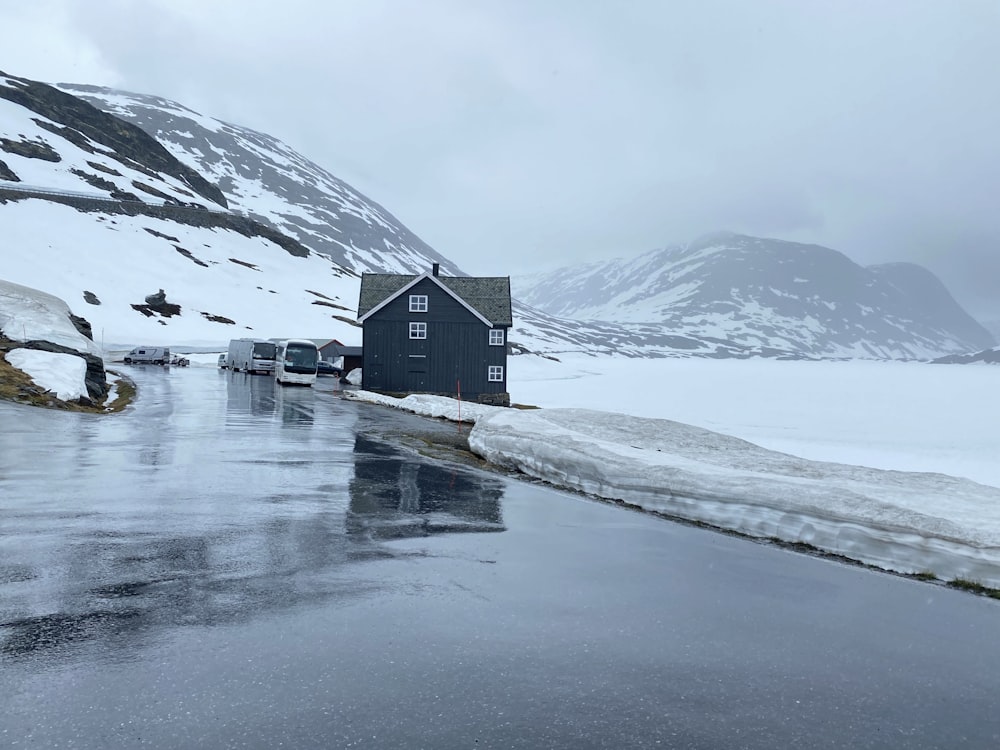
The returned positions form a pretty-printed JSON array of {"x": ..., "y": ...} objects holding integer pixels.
[{"x": 148, "y": 355}]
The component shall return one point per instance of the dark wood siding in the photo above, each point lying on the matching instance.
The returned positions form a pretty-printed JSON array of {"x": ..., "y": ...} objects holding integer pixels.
[{"x": 456, "y": 353}]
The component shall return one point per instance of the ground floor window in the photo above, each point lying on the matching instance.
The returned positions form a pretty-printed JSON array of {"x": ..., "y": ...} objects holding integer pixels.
[{"x": 496, "y": 374}]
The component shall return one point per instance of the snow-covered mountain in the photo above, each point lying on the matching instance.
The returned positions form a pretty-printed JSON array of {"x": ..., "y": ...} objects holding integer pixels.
[
  {"x": 105, "y": 209},
  {"x": 107, "y": 197},
  {"x": 767, "y": 294},
  {"x": 128, "y": 219},
  {"x": 262, "y": 177}
]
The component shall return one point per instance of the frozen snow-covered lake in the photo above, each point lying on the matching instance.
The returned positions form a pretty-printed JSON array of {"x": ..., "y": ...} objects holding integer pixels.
[
  {"x": 907, "y": 416},
  {"x": 889, "y": 464}
]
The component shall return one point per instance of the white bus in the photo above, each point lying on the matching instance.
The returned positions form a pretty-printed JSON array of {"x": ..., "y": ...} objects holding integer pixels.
[
  {"x": 251, "y": 355},
  {"x": 295, "y": 361}
]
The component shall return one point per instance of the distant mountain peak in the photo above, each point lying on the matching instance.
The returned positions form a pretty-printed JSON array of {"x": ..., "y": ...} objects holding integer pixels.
[{"x": 767, "y": 294}]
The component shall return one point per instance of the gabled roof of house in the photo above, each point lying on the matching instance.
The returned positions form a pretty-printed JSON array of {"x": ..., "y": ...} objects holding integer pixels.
[
  {"x": 486, "y": 297},
  {"x": 337, "y": 348}
]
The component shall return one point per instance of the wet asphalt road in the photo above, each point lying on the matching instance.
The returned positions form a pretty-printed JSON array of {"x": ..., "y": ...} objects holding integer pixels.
[{"x": 231, "y": 565}]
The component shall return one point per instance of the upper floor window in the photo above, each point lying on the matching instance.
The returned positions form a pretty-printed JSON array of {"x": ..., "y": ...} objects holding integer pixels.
[
  {"x": 418, "y": 330},
  {"x": 495, "y": 374},
  {"x": 418, "y": 303},
  {"x": 496, "y": 337}
]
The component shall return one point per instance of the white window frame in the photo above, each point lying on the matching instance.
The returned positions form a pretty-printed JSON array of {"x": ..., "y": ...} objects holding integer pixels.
[
  {"x": 418, "y": 330},
  {"x": 496, "y": 337},
  {"x": 418, "y": 303},
  {"x": 494, "y": 374}
]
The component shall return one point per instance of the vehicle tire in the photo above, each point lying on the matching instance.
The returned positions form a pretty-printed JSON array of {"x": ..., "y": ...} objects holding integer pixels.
[{"x": 128, "y": 360}]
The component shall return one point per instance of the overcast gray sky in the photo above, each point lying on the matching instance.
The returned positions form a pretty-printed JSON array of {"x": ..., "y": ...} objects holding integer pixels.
[{"x": 517, "y": 135}]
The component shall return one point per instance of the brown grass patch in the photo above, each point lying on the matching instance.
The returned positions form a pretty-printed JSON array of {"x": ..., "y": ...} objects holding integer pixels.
[{"x": 18, "y": 387}]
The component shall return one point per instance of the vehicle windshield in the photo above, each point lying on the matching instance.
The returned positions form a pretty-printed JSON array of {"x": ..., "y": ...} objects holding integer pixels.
[
  {"x": 304, "y": 357},
  {"x": 263, "y": 350}
]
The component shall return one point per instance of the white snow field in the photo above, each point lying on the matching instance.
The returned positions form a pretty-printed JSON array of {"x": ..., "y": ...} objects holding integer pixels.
[{"x": 917, "y": 435}]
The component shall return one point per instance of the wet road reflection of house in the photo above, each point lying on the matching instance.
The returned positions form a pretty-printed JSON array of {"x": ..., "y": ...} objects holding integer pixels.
[
  {"x": 392, "y": 497},
  {"x": 277, "y": 504}
]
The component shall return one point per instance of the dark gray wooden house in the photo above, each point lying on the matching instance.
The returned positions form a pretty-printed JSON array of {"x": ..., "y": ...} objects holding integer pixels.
[{"x": 429, "y": 333}]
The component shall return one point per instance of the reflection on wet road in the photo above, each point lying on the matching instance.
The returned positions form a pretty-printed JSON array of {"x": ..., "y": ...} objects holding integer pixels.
[
  {"x": 235, "y": 564},
  {"x": 123, "y": 526}
]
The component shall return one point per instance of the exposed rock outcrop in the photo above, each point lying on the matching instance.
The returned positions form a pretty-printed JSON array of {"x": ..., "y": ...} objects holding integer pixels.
[
  {"x": 82, "y": 325},
  {"x": 156, "y": 304},
  {"x": 6, "y": 173},
  {"x": 30, "y": 149}
]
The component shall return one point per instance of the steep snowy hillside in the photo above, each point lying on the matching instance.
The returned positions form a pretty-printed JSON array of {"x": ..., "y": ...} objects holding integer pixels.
[
  {"x": 97, "y": 154},
  {"x": 767, "y": 293},
  {"x": 123, "y": 226},
  {"x": 223, "y": 284},
  {"x": 264, "y": 178}
]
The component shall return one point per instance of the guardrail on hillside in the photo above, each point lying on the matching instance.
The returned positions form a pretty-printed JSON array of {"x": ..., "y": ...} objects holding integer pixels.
[
  {"x": 20, "y": 187},
  {"x": 196, "y": 215}
]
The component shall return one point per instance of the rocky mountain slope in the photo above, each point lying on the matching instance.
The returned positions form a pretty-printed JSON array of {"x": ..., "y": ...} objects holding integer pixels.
[
  {"x": 264, "y": 178},
  {"x": 769, "y": 295},
  {"x": 986, "y": 357}
]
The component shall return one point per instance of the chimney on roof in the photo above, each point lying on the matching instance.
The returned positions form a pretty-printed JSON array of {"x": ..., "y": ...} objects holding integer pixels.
[{"x": 436, "y": 269}]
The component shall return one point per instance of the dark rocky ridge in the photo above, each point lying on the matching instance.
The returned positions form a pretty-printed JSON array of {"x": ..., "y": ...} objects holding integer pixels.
[
  {"x": 82, "y": 121},
  {"x": 987, "y": 357},
  {"x": 29, "y": 149},
  {"x": 6, "y": 173}
]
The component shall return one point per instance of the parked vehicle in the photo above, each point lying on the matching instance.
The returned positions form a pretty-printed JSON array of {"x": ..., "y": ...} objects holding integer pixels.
[
  {"x": 223, "y": 363},
  {"x": 178, "y": 361},
  {"x": 326, "y": 368},
  {"x": 296, "y": 362},
  {"x": 148, "y": 355},
  {"x": 251, "y": 355}
]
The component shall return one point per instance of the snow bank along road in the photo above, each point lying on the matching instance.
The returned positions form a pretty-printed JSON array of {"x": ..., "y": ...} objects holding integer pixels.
[{"x": 907, "y": 522}]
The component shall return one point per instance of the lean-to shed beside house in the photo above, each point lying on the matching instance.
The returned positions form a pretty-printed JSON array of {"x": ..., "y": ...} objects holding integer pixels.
[
  {"x": 345, "y": 357},
  {"x": 428, "y": 333}
]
